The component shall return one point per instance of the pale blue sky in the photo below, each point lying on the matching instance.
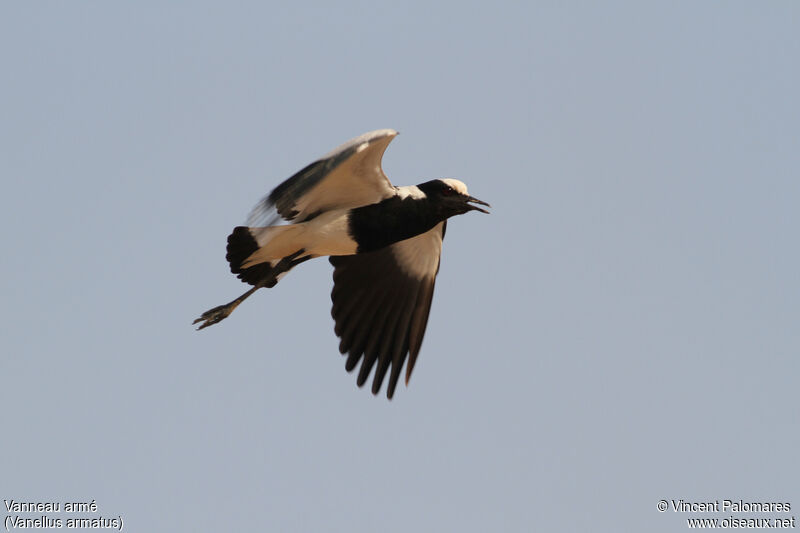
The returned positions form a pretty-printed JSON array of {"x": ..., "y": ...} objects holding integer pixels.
[{"x": 622, "y": 328}]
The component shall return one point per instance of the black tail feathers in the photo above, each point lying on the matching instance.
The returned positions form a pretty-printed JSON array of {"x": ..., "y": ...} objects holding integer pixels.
[{"x": 241, "y": 245}]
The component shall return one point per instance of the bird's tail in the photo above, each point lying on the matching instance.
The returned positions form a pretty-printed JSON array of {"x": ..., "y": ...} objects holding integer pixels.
[{"x": 255, "y": 253}]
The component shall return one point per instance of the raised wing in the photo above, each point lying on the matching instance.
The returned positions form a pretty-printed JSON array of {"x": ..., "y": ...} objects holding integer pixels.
[
  {"x": 349, "y": 176},
  {"x": 381, "y": 302}
]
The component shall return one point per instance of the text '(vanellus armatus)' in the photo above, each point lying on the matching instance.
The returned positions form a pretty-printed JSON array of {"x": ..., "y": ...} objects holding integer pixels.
[{"x": 384, "y": 243}]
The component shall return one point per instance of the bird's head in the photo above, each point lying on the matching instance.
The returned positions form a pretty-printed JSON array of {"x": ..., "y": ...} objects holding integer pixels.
[{"x": 450, "y": 196}]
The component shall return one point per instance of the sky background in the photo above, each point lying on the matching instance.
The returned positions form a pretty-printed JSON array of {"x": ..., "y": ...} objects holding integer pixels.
[{"x": 623, "y": 328}]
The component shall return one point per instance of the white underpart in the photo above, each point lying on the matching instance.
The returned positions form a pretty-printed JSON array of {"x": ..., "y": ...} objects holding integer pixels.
[
  {"x": 323, "y": 235},
  {"x": 410, "y": 191},
  {"x": 328, "y": 234},
  {"x": 459, "y": 186},
  {"x": 419, "y": 256}
]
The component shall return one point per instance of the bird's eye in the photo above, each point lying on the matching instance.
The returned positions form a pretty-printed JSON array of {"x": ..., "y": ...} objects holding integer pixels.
[{"x": 448, "y": 191}]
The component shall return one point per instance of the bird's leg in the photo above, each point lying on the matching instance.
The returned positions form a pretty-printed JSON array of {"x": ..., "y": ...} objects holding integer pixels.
[{"x": 219, "y": 313}]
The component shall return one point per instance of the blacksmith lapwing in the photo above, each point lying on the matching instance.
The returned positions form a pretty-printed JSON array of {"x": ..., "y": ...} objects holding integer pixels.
[{"x": 384, "y": 243}]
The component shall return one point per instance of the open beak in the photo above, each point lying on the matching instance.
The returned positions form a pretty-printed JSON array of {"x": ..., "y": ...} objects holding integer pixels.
[{"x": 475, "y": 207}]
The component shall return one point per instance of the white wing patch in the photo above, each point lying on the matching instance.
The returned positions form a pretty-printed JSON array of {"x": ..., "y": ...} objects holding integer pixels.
[
  {"x": 349, "y": 176},
  {"x": 356, "y": 182},
  {"x": 419, "y": 256},
  {"x": 363, "y": 139}
]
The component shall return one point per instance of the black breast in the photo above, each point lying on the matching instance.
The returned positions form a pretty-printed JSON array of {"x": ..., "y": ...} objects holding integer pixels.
[{"x": 378, "y": 225}]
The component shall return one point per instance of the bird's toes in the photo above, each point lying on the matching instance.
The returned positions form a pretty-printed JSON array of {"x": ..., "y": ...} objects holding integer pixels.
[{"x": 212, "y": 316}]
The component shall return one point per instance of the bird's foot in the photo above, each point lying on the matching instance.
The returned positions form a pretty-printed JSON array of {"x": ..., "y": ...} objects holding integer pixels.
[
  {"x": 221, "y": 312},
  {"x": 212, "y": 316}
]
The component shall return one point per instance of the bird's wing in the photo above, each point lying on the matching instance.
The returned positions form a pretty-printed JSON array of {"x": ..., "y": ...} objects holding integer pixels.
[
  {"x": 381, "y": 302},
  {"x": 349, "y": 176}
]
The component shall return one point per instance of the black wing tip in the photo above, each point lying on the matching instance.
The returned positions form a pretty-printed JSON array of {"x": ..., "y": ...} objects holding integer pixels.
[
  {"x": 376, "y": 391},
  {"x": 354, "y": 329},
  {"x": 368, "y": 369}
]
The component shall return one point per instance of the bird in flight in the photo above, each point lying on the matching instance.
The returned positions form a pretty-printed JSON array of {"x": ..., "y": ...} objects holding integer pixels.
[{"x": 384, "y": 243}]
